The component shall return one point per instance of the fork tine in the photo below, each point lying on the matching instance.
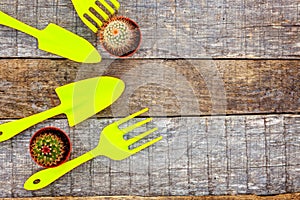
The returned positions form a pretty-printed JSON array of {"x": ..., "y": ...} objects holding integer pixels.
[
  {"x": 141, "y": 136},
  {"x": 137, "y": 149},
  {"x": 107, "y": 6},
  {"x": 136, "y": 125},
  {"x": 95, "y": 18},
  {"x": 123, "y": 120},
  {"x": 100, "y": 12}
]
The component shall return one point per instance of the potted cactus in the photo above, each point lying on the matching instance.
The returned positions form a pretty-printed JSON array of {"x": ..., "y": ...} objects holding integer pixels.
[
  {"x": 50, "y": 147},
  {"x": 120, "y": 36}
]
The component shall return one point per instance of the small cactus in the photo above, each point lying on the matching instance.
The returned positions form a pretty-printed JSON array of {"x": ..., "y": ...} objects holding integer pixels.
[
  {"x": 120, "y": 36},
  {"x": 48, "y": 148}
]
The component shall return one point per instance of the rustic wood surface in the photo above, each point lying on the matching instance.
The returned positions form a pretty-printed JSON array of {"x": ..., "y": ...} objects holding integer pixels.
[{"x": 221, "y": 79}]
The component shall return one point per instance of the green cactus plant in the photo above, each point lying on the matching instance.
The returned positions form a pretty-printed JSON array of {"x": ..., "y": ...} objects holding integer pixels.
[
  {"x": 120, "y": 36},
  {"x": 49, "y": 147}
]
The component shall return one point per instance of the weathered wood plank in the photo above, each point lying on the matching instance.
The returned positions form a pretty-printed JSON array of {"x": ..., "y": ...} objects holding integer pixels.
[
  {"x": 197, "y": 156},
  {"x": 169, "y": 87},
  {"x": 189, "y": 29},
  {"x": 234, "y": 197}
]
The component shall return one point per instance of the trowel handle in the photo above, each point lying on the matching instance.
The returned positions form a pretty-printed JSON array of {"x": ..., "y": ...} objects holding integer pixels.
[
  {"x": 10, "y": 129},
  {"x": 11, "y": 22}
]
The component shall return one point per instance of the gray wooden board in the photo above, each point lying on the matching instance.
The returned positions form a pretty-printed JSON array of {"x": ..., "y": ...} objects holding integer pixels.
[
  {"x": 170, "y": 28},
  {"x": 198, "y": 156}
]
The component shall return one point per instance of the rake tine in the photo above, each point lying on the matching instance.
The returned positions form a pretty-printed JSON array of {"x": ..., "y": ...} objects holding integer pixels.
[
  {"x": 91, "y": 26},
  {"x": 137, "y": 149},
  {"x": 116, "y": 4},
  {"x": 136, "y": 125},
  {"x": 95, "y": 18},
  {"x": 101, "y": 12},
  {"x": 107, "y": 6},
  {"x": 123, "y": 120},
  {"x": 141, "y": 136}
]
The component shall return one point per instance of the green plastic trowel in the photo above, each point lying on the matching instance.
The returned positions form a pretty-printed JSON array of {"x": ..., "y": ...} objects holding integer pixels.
[
  {"x": 79, "y": 101},
  {"x": 56, "y": 40}
]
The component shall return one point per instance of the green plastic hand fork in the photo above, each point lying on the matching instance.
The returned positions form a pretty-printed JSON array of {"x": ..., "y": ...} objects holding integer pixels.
[
  {"x": 56, "y": 40},
  {"x": 111, "y": 144},
  {"x": 79, "y": 101},
  {"x": 88, "y": 10}
]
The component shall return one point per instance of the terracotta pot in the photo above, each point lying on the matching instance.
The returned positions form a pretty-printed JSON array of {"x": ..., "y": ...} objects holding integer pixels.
[
  {"x": 50, "y": 147},
  {"x": 120, "y": 36}
]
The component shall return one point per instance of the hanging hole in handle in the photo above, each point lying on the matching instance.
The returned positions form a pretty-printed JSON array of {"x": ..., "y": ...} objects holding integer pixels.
[
  {"x": 1, "y": 133},
  {"x": 37, "y": 181}
]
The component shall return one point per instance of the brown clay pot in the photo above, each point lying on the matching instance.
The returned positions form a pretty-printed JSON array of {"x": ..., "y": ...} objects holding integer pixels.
[
  {"x": 120, "y": 36},
  {"x": 50, "y": 147}
]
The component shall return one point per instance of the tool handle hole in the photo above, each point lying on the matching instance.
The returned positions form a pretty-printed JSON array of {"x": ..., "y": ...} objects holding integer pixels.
[{"x": 37, "y": 181}]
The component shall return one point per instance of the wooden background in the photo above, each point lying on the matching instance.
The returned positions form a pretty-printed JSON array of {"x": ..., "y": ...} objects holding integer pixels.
[{"x": 221, "y": 79}]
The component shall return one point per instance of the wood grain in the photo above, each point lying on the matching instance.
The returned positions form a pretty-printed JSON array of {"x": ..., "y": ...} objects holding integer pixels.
[
  {"x": 168, "y": 87},
  {"x": 172, "y": 29},
  {"x": 198, "y": 156}
]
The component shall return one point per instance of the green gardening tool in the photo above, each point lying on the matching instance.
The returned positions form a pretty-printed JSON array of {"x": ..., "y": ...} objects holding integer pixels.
[
  {"x": 79, "y": 101},
  {"x": 111, "y": 144},
  {"x": 56, "y": 40},
  {"x": 89, "y": 10}
]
